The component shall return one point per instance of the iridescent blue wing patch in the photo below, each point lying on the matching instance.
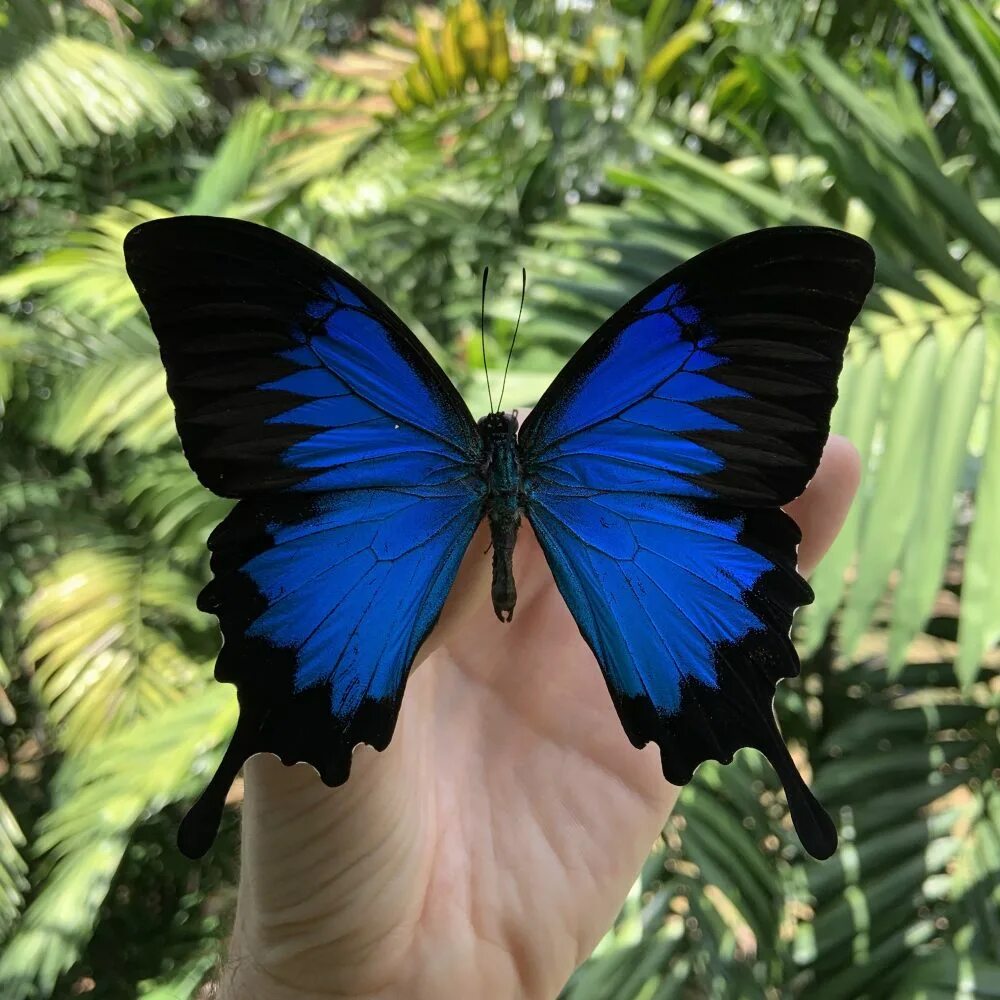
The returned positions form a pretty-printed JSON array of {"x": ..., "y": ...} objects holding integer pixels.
[
  {"x": 353, "y": 459},
  {"x": 655, "y": 467}
]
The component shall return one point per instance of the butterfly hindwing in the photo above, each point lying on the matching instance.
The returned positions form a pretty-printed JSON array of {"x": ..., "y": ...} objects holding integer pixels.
[
  {"x": 655, "y": 467},
  {"x": 353, "y": 460}
]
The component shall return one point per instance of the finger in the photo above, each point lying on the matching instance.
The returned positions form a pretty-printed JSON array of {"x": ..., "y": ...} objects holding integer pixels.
[{"x": 822, "y": 509}]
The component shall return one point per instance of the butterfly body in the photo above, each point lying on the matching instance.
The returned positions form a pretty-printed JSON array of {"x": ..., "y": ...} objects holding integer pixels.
[
  {"x": 501, "y": 472},
  {"x": 653, "y": 472}
]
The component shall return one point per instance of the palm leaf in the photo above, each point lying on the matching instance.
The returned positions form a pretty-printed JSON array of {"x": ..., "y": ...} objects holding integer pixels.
[
  {"x": 13, "y": 869},
  {"x": 59, "y": 92},
  {"x": 103, "y": 639},
  {"x": 100, "y": 795},
  {"x": 87, "y": 277}
]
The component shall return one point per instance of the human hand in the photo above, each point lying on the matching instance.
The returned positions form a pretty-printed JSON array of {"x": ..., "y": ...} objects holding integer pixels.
[{"x": 488, "y": 849}]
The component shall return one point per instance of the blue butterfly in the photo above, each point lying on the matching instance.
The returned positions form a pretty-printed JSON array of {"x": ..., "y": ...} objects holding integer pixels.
[{"x": 652, "y": 471}]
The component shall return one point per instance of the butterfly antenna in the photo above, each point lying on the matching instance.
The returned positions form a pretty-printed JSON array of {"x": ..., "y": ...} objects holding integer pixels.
[
  {"x": 482, "y": 337},
  {"x": 503, "y": 385}
]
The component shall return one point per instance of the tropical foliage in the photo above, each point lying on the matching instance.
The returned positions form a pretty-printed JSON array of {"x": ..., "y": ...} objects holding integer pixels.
[{"x": 597, "y": 144}]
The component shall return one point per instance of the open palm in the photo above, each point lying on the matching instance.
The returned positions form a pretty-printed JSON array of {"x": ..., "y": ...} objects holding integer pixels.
[{"x": 487, "y": 850}]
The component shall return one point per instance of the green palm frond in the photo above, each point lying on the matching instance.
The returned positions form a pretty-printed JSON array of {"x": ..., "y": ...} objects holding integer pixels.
[
  {"x": 727, "y": 907},
  {"x": 124, "y": 399},
  {"x": 59, "y": 92},
  {"x": 905, "y": 774},
  {"x": 86, "y": 277},
  {"x": 965, "y": 39},
  {"x": 949, "y": 976},
  {"x": 979, "y": 627},
  {"x": 100, "y": 795},
  {"x": 105, "y": 633},
  {"x": 85, "y": 315},
  {"x": 172, "y": 506},
  {"x": 184, "y": 982},
  {"x": 229, "y": 173},
  {"x": 13, "y": 869},
  {"x": 271, "y": 151},
  {"x": 13, "y": 344}
]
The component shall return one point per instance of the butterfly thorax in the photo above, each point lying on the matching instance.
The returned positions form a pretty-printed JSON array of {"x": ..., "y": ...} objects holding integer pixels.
[{"x": 501, "y": 471}]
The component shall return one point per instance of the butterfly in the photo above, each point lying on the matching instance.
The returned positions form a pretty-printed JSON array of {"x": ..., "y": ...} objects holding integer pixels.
[{"x": 652, "y": 471}]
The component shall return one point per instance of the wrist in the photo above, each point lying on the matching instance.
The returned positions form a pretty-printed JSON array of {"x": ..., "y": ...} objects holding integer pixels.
[{"x": 243, "y": 977}]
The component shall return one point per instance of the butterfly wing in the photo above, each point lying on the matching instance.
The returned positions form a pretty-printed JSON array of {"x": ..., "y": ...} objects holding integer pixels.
[
  {"x": 354, "y": 461},
  {"x": 656, "y": 465}
]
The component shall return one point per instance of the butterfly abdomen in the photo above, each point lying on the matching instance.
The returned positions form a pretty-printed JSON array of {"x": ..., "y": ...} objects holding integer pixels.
[{"x": 501, "y": 471}]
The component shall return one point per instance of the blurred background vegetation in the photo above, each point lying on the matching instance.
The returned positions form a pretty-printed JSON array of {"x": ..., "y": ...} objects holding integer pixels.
[{"x": 598, "y": 143}]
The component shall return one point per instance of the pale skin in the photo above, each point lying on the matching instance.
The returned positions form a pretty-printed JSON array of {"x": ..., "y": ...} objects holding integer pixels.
[{"x": 488, "y": 849}]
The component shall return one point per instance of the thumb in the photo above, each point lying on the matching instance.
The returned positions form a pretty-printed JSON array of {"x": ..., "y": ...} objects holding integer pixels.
[{"x": 822, "y": 509}]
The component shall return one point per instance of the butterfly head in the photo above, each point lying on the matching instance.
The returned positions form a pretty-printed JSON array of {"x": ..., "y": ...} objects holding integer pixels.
[{"x": 498, "y": 425}]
